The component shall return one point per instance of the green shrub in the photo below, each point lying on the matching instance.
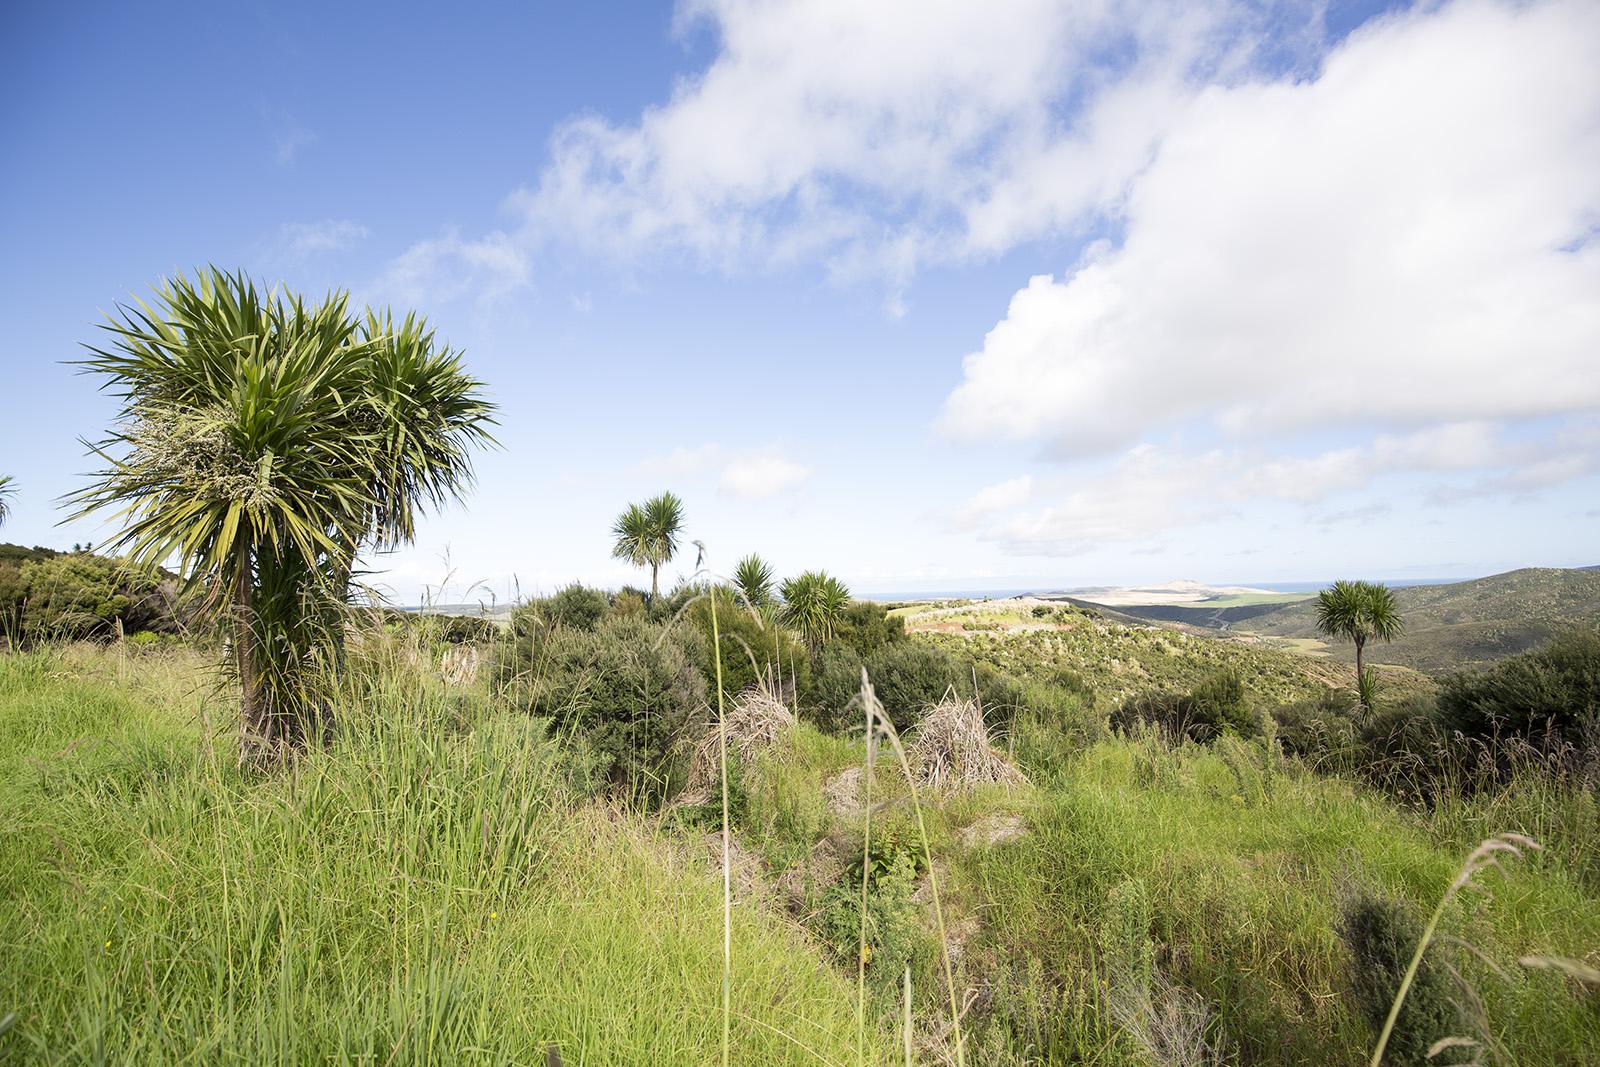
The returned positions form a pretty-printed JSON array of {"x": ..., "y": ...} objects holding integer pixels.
[
  {"x": 895, "y": 930},
  {"x": 1404, "y": 747},
  {"x": 1318, "y": 727},
  {"x": 1550, "y": 692},
  {"x": 867, "y": 627},
  {"x": 1381, "y": 936},
  {"x": 79, "y": 595},
  {"x": 909, "y": 677},
  {"x": 632, "y": 688},
  {"x": 628, "y": 603},
  {"x": 577, "y": 606},
  {"x": 465, "y": 629},
  {"x": 752, "y": 647},
  {"x": 1219, "y": 703}
]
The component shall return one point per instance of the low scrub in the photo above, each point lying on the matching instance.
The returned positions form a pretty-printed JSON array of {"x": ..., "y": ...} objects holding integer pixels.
[
  {"x": 1217, "y": 705},
  {"x": 632, "y": 689}
]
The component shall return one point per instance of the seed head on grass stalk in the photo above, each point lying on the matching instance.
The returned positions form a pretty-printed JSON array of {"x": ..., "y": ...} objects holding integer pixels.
[
  {"x": 1485, "y": 855},
  {"x": 876, "y": 720}
]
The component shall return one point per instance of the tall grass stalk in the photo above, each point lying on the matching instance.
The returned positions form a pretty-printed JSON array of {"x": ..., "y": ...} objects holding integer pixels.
[
  {"x": 875, "y": 712},
  {"x": 866, "y": 874},
  {"x": 1481, "y": 857},
  {"x": 727, "y": 856}
]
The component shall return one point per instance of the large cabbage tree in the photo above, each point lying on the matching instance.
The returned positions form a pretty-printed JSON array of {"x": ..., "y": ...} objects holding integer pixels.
[{"x": 262, "y": 441}]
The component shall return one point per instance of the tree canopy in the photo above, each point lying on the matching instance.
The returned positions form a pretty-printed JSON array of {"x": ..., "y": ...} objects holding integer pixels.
[
  {"x": 1358, "y": 612},
  {"x": 647, "y": 535},
  {"x": 262, "y": 440}
]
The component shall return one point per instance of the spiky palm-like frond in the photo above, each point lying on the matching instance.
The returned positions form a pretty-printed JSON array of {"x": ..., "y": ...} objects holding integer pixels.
[
  {"x": 647, "y": 535},
  {"x": 424, "y": 414},
  {"x": 752, "y": 576},
  {"x": 6, "y": 489},
  {"x": 813, "y": 605},
  {"x": 262, "y": 439},
  {"x": 1358, "y": 612}
]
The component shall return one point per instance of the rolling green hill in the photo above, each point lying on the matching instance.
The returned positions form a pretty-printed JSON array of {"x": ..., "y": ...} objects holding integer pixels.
[{"x": 1462, "y": 624}]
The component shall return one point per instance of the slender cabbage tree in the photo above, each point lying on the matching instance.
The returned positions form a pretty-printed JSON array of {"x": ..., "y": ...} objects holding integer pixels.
[
  {"x": 6, "y": 489},
  {"x": 647, "y": 535},
  {"x": 252, "y": 448},
  {"x": 813, "y": 606},
  {"x": 1358, "y": 612}
]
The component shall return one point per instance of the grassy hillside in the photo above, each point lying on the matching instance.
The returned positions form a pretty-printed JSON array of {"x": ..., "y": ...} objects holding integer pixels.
[
  {"x": 442, "y": 887},
  {"x": 1464, "y": 623},
  {"x": 434, "y": 890},
  {"x": 1119, "y": 654}
]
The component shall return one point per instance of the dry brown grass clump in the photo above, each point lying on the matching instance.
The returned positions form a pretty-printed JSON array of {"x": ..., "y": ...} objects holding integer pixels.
[
  {"x": 757, "y": 722},
  {"x": 951, "y": 749}
]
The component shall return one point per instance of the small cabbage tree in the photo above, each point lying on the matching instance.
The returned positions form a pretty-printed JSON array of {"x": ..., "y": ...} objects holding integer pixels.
[
  {"x": 752, "y": 576},
  {"x": 647, "y": 535},
  {"x": 813, "y": 605},
  {"x": 1358, "y": 612},
  {"x": 6, "y": 489}
]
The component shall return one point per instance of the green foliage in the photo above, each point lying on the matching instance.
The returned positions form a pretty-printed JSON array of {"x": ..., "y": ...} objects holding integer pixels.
[
  {"x": 910, "y": 676},
  {"x": 633, "y": 689},
  {"x": 1381, "y": 936},
  {"x": 79, "y": 595},
  {"x": 813, "y": 606},
  {"x": 1553, "y": 690},
  {"x": 1217, "y": 704},
  {"x": 867, "y": 627},
  {"x": 647, "y": 535},
  {"x": 752, "y": 576},
  {"x": 7, "y": 490},
  {"x": 894, "y": 923},
  {"x": 1316, "y": 727},
  {"x": 753, "y": 647},
  {"x": 577, "y": 607}
]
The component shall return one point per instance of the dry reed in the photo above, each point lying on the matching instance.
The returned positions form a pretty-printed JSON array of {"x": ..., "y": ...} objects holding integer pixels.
[{"x": 951, "y": 749}]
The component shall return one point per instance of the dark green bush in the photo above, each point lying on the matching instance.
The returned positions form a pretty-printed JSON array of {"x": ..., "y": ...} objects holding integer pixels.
[
  {"x": 868, "y": 627},
  {"x": 1404, "y": 747},
  {"x": 633, "y": 689},
  {"x": 1381, "y": 936},
  {"x": 908, "y": 677},
  {"x": 1219, "y": 703},
  {"x": 466, "y": 629},
  {"x": 577, "y": 606},
  {"x": 838, "y": 680},
  {"x": 1552, "y": 692},
  {"x": 1318, "y": 728},
  {"x": 80, "y": 595},
  {"x": 752, "y": 647}
]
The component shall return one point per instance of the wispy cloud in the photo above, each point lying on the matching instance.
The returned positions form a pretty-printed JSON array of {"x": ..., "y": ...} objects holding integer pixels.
[
  {"x": 288, "y": 136},
  {"x": 1148, "y": 490},
  {"x": 449, "y": 267},
  {"x": 297, "y": 242},
  {"x": 740, "y": 473}
]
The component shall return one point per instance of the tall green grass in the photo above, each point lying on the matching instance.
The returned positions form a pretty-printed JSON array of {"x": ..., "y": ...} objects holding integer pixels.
[{"x": 433, "y": 889}]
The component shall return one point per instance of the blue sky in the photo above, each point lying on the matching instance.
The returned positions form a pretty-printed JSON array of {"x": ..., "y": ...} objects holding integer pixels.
[{"x": 931, "y": 296}]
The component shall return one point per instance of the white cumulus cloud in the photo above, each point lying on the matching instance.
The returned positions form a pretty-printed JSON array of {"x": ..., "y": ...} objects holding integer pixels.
[
  {"x": 1408, "y": 238},
  {"x": 881, "y": 136}
]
